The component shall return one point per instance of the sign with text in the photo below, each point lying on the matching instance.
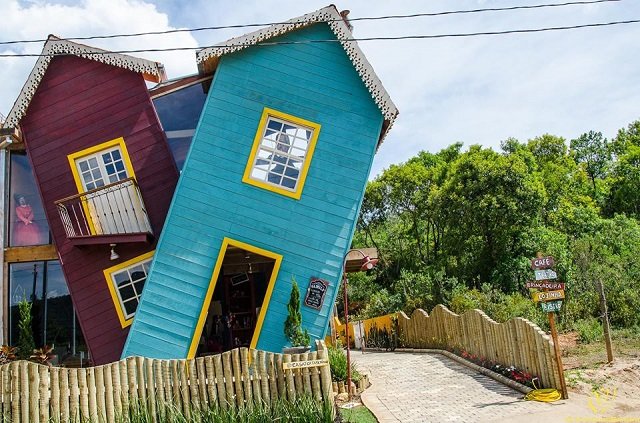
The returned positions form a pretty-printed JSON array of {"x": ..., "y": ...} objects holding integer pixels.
[
  {"x": 542, "y": 263},
  {"x": 315, "y": 293},
  {"x": 543, "y": 275},
  {"x": 548, "y": 296},
  {"x": 552, "y": 306},
  {"x": 545, "y": 285},
  {"x": 304, "y": 364}
]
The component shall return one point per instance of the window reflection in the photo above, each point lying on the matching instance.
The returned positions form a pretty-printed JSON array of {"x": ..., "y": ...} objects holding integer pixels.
[
  {"x": 28, "y": 224},
  {"x": 179, "y": 112},
  {"x": 52, "y": 313}
]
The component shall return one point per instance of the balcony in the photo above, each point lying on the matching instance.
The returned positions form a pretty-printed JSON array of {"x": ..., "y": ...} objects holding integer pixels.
[{"x": 111, "y": 214}]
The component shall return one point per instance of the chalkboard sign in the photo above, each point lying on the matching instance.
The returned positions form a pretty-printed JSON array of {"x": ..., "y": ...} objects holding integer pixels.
[{"x": 315, "y": 293}]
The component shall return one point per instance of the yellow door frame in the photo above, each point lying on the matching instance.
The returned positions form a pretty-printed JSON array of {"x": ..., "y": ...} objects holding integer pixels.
[{"x": 226, "y": 242}]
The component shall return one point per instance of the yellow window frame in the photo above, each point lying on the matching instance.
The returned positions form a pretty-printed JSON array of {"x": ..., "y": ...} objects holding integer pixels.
[
  {"x": 118, "y": 142},
  {"x": 226, "y": 242},
  {"x": 113, "y": 290},
  {"x": 266, "y": 114}
]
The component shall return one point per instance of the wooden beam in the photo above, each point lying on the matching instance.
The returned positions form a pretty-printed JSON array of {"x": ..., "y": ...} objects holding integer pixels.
[{"x": 31, "y": 253}]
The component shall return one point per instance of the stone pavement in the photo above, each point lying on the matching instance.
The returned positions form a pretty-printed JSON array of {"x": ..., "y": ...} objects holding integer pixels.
[{"x": 422, "y": 387}]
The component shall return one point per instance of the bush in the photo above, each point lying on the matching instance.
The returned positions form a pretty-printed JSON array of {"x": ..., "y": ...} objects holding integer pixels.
[
  {"x": 338, "y": 365},
  {"x": 589, "y": 330}
]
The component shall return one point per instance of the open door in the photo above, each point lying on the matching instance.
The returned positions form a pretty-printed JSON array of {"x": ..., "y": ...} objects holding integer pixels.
[{"x": 239, "y": 299}]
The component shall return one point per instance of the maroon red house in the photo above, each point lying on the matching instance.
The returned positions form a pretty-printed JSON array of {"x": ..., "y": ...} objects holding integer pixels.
[{"x": 105, "y": 175}]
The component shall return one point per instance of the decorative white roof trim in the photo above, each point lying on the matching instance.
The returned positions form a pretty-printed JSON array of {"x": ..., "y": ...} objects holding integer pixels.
[
  {"x": 207, "y": 58},
  {"x": 152, "y": 71}
]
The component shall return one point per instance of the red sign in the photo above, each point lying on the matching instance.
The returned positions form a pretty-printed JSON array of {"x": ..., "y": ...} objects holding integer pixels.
[
  {"x": 545, "y": 285},
  {"x": 542, "y": 263}
]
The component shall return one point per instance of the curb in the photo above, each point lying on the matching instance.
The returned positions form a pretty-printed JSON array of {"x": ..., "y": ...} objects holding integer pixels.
[{"x": 493, "y": 375}]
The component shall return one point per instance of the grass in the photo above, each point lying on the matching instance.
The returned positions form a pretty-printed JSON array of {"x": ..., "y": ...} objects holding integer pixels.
[{"x": 360, "y": 414}]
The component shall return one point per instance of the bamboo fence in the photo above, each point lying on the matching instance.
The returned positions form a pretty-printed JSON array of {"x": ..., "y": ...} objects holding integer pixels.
[
  {"x": 242, "y": 377},
  {"x": 517, "y": 342}
]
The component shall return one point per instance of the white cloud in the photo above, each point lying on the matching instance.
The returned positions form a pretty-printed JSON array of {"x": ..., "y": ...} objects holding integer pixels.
[{"x": 36, "y": 20}]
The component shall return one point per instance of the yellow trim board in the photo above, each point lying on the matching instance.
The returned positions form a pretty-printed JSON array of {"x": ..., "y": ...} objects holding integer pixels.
[
  {"x": 226, "y": 242},
  {"x": 112, "y": 289},
  {"x": 92, "y": 150},
  {"x": 266, "y": 114}
]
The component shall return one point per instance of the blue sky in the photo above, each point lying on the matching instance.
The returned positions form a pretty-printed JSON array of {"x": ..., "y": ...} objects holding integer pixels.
[{"x": 478, "y": 90}]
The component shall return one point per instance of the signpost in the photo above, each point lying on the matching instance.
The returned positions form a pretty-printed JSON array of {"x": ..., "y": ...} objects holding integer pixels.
[
  {"x": 545, "y": 285},
  {"x": 545, "y": 275},
  {"x": 545, "y": 296},
  {"x": 552, "y": 306},
  {"x": 550, "y": 299}
]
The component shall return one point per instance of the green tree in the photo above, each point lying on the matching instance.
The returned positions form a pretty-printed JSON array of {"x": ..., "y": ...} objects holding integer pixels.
[
  {"x": 592, "y": 151},
  {"x": 293, "y": 324},
  {"x": 624, "y": 195}
]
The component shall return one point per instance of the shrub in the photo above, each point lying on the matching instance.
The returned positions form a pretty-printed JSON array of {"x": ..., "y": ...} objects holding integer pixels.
[
  {"x": 293, "y": 325},
  {"x": 338, "y": 365},
  {"x": 589, "y": 330},
  {"x": 26, "y": 344}
]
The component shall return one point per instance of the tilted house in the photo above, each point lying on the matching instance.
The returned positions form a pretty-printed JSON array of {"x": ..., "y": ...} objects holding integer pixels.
[
  {"x": 105, "y": 175},
  {"x": 270, "y": 191}
]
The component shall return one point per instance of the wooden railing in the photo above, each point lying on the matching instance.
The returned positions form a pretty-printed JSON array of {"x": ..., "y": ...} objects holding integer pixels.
[
  {"x": 31, "y": 392},
  {"x": 517, "y": 342},
  {"x": 114, "y": 209}
]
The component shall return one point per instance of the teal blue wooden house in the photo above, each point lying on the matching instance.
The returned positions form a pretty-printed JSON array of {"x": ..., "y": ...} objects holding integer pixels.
[{"x": 270, "y": 191}]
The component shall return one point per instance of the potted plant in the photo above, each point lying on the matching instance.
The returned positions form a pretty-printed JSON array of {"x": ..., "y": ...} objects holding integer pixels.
[{"x": 293, "y": 331}]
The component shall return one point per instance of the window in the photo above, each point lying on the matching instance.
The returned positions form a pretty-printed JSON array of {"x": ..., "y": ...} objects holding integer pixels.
[
  {"x": 281, "y": 153},
  {"x": 27, "y": 222},
  {"x": 126, "y": 282},
  {"x": 179, "y": 112},
  {"x": 53, "y": 318},
  {"x": 101, "y": 165}
]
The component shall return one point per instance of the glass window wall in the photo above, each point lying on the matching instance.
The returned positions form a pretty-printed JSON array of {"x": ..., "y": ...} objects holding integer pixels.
[
  {"x": 179, "y": 112},
  {"x": 53, "y": 318},
  {"x": 27, "y": 222}
]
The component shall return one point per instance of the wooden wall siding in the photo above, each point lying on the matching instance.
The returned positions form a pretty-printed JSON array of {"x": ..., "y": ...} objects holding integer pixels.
[
  {"x": 315, "y": 82},
  {"x": 81, "y": 103},
  {"x": 32, "y": 393},
  {"x": 517, "y": 342}
]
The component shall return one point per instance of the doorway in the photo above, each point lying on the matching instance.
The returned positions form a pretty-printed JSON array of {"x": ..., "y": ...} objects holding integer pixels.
[{"x": 237, "y": 307}]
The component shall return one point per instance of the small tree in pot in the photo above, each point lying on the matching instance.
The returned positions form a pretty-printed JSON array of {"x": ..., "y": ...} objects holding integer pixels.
[{"x": 298, "y": 337}]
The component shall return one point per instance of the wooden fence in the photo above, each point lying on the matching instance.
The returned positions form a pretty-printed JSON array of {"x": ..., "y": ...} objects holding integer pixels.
[
  {"x": 517, "y": 342},
  {"x": 31, "y": 392}
]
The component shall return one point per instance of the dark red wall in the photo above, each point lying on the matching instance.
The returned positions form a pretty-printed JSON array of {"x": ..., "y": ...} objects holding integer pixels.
[{"x": 79, "y": 104}]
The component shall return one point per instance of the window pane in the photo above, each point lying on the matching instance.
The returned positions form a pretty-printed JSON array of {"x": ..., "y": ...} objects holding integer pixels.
[
  {"x": 179, "y": 112},
  {"x": 119, "y": 166},
  {"x": 121, "y": 277},
  {"x": 130, "y": 307},
  {"x": 26, "y": 284},
  {"x": 126, "y": 292},
  {"x": 106, "y": 158},
  {"x": 93, "y": 163},
  {"x": 28, "y": 224},
  {"x": 110, "y": 169},
  {"x": 116, "y": 155},
  {"x": 83, "y": 166}
]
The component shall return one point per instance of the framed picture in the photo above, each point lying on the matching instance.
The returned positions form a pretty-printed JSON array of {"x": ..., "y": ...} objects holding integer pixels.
[{"x": 239, "y": 278}]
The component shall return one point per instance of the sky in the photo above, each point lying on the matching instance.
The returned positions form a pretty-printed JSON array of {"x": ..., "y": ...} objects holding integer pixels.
[{"x": 474, "y": 90}]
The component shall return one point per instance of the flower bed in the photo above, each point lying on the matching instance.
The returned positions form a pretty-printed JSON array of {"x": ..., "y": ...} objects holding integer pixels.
[{"x": 511, "y": 372}]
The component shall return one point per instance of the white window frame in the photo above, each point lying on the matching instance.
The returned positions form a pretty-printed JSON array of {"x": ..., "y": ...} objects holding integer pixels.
[
  {"x": 145, "y": 264},
  {"x": 106, "y": 177}
]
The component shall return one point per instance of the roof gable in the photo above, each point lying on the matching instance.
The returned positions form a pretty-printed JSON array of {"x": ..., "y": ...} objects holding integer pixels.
[
  {"x": 54, "y": 46},
  {"x": 208, "y": 58}
]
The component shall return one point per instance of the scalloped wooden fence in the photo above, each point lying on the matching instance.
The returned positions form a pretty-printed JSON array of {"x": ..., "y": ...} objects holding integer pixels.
[
  {"x": 517, "y": 342},
  {"x": 31, "y": 392}
]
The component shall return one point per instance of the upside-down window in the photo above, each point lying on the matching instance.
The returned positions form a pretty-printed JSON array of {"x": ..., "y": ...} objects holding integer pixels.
[
  {"x": 281, "y": 153},
  {"x": 126, "y": 282}
]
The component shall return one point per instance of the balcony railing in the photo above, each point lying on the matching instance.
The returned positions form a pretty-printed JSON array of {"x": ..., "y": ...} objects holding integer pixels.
[{"x": 108, "y": 212}]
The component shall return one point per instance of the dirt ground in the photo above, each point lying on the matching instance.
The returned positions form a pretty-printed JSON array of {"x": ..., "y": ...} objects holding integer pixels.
[{"x": 587, "y": 372}]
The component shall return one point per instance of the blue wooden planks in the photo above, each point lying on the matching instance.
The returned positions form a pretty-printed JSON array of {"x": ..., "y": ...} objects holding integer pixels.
[{"x": 314, "y": 82}]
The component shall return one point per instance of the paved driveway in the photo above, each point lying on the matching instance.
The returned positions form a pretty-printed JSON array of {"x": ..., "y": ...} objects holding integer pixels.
[{"x": 422, "y": 387}]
